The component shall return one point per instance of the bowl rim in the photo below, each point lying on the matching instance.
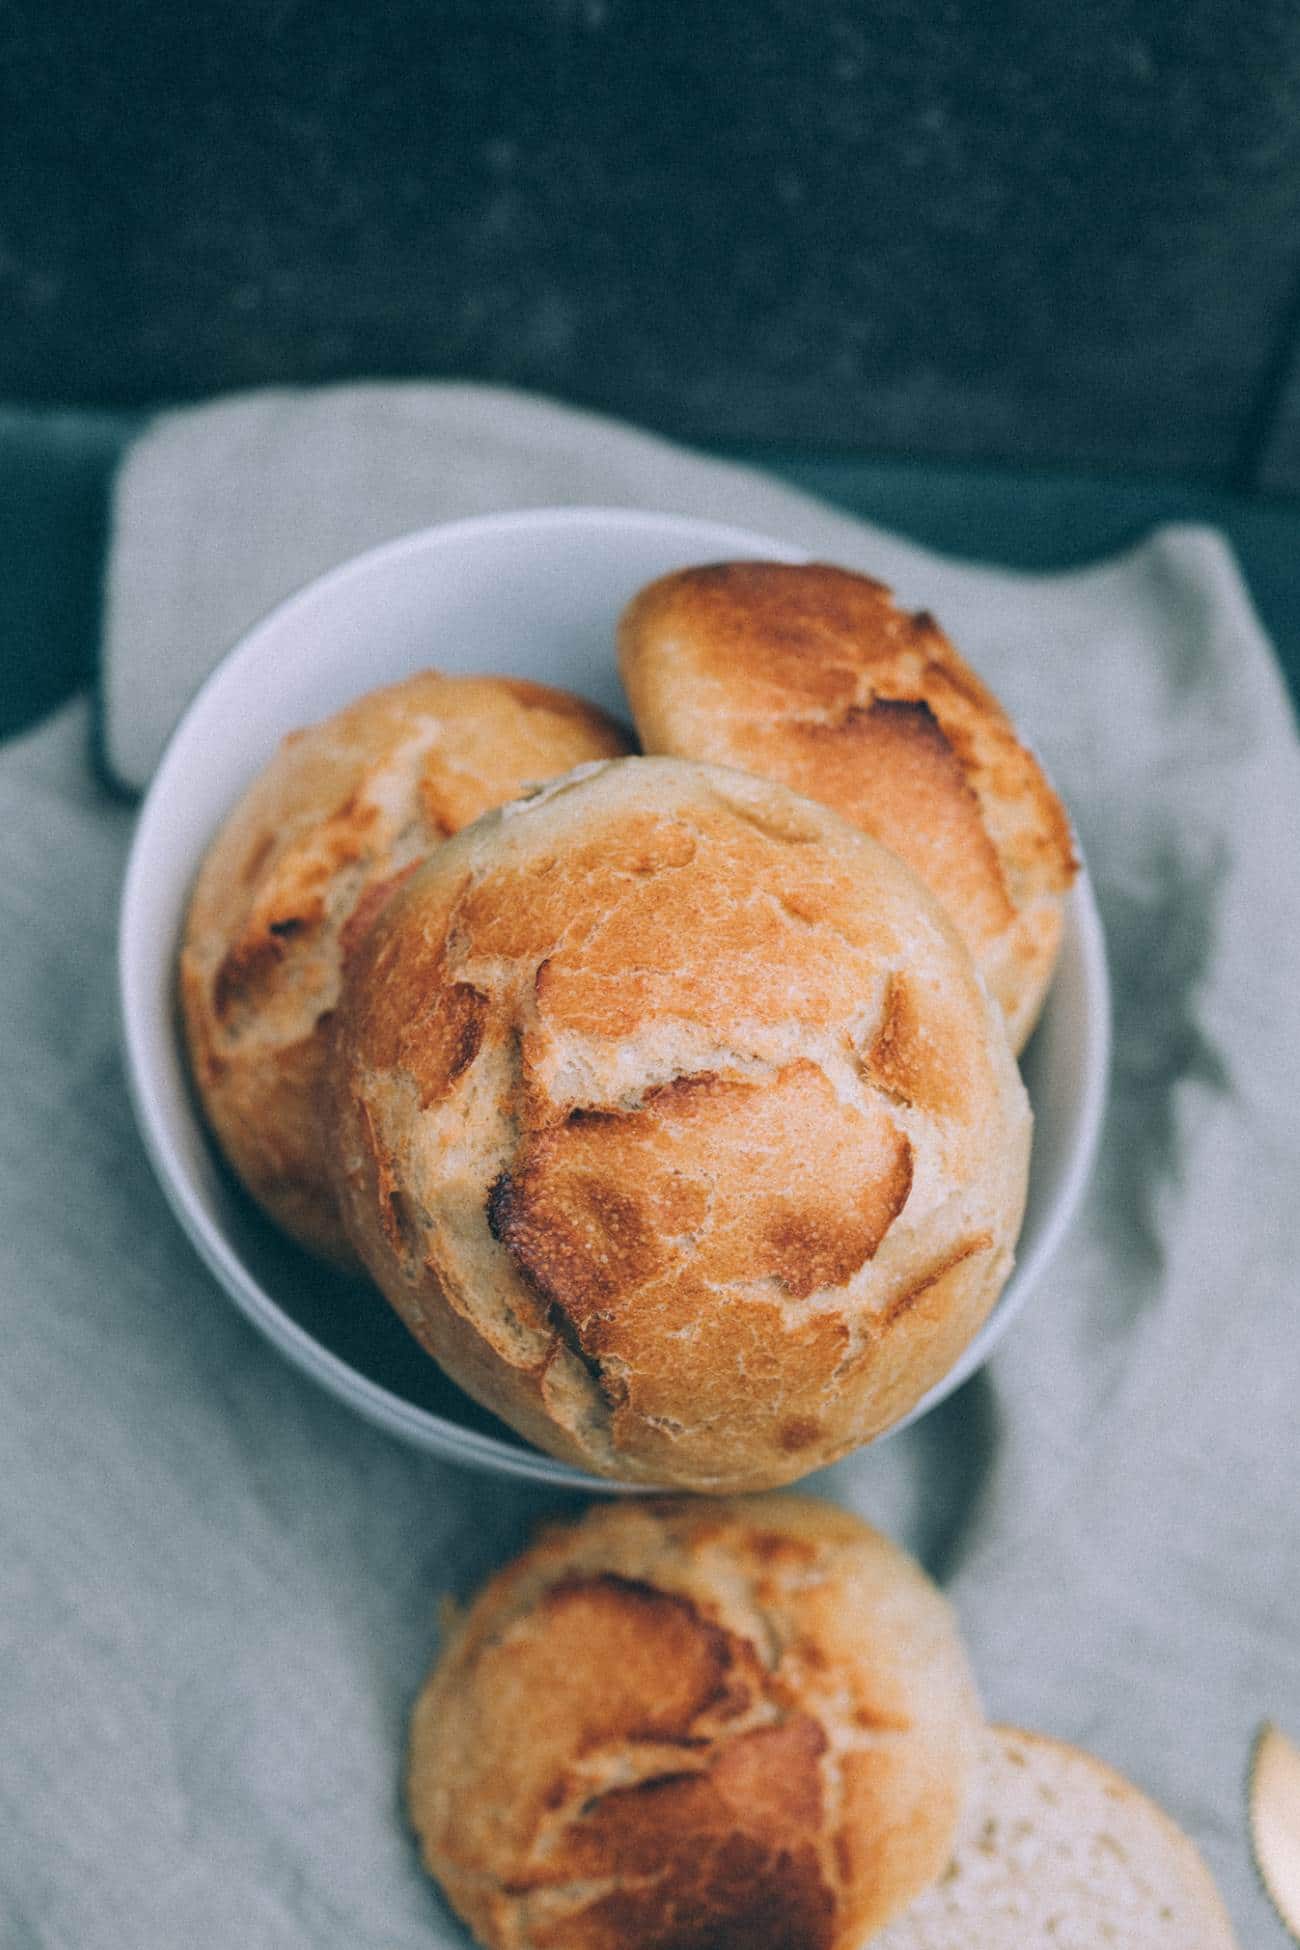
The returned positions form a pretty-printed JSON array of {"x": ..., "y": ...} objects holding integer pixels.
[{"x": 424, "y": 1428}]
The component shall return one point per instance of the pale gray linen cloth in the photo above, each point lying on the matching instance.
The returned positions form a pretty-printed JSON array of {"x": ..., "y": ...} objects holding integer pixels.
[{"x": 219, "y": 1588}]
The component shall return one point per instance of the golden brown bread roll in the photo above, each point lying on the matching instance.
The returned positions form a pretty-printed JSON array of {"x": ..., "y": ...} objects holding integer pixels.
[
  {"x": 695, "y": 1726},
  {"x": 813, "y": 676},
  {"x": 674, "y": 1122},
  {"x": 300, "y": 866}
]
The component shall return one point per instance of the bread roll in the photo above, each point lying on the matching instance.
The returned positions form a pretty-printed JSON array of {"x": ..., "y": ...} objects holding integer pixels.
[
  {"x": 301, "y": 865},
  {"x": 674, "y": 1122},
  {"x": 813, "y": 676},
  {"x": 1061, "y": 1852},
  {"x": 685, "y": 1726}
]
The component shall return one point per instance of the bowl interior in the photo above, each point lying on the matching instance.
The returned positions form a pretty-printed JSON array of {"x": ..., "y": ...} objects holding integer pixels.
[{"x": 534, "y": 595}]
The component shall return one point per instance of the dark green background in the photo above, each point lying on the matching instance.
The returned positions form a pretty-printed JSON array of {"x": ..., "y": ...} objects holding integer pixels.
[
  {"x": 1064, "y": 235},
  {"x": 1017, "y": 279}
]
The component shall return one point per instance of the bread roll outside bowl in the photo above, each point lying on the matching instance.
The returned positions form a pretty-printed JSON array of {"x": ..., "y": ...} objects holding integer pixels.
[{"x": 695, "y": 1725}]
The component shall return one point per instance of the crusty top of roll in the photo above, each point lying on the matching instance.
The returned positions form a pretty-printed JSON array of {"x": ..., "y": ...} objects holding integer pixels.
[
  {"x": 695, "y": 1726},
  {"x": 814, "y": 676},
  {"x": 303, "y": 863},
  {"x": 674, "y": 1121},
  {"x": 1057, "y": 1848}
]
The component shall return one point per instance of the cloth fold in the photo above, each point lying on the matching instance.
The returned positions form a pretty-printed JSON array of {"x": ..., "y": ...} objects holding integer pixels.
[{"x": 219, "y": 1589}]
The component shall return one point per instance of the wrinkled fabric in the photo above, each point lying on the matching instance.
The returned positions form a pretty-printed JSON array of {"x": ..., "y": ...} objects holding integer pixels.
[{"x": 219, "y": 1588}]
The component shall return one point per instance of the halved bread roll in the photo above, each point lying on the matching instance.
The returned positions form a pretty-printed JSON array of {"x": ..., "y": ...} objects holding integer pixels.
[
  {"x": 685, "y": 1725},
  {"x": 1059, "y": 1851}
]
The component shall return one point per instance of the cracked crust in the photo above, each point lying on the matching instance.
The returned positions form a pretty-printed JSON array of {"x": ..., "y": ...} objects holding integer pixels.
[
  {"x": 694, "y": 1726},
  {"x": 299, "y": 872},
  {"x": 673, "y": 1121},
  {"x": 1057, "y": 1847},
  {"x": 812, "y": 675}
]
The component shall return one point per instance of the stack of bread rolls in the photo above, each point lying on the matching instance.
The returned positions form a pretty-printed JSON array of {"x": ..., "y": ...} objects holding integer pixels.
[{"x": 670, "y": 1100}]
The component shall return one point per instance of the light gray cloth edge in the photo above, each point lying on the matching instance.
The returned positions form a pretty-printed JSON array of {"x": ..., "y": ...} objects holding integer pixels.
[
  {"x": 219, "y": 1587},
  {"x": 220, "y": 511}
]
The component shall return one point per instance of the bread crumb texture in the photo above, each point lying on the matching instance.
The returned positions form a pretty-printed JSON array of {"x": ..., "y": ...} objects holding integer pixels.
[
  {"x": 302, "y": 868},
  {"x": 1060, "y": 1851},
  {"x": 700, "y": 1726},
  {"x": 814, "y": 676},
  {"x": 675, "y": 1123}
]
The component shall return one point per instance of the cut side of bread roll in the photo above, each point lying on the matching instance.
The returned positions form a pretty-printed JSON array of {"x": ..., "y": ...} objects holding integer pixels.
[
  {"x": 1275, "y": 1821},
  {"x": 814, "y": 676},
  {"x": 1059, "y": 1852},
  {"x": 673, "y": 1120},
  {"x": 303, "y": 864},
  {"x": 694, "y": 1725}
]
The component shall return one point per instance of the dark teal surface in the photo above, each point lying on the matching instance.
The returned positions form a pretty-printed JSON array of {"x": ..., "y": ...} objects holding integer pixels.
[
  {"x": 56, "y": 470},
  {"x": 1048, "y": 234}
]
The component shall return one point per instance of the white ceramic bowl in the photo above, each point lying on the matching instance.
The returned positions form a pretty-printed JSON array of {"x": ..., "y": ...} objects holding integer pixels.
[{"x": 532, "y": 594}]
